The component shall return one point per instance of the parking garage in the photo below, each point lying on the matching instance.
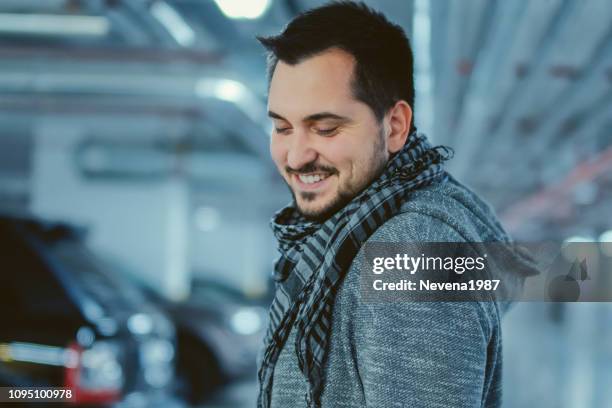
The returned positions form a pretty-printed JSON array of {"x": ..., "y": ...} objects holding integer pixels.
[{"x": 136, "y": 185}]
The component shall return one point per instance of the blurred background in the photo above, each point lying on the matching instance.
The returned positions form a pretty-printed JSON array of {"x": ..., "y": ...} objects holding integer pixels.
[{"x": 136, "y": 185}]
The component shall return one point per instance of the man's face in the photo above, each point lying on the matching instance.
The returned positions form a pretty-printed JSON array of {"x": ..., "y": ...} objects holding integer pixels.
[{"x": 327, "y": 145}]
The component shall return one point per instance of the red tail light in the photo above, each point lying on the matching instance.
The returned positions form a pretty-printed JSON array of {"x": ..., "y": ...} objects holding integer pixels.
[{"x": 77, "y": 378}]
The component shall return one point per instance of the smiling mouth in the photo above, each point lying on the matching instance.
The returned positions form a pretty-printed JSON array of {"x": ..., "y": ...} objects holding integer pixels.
[
  {"x": 312, "y": 181},
  {"x": 312, "y": 178}
]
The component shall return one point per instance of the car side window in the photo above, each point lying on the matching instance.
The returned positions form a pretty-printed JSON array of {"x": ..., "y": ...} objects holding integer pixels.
[{"x": 28, "y": 287}]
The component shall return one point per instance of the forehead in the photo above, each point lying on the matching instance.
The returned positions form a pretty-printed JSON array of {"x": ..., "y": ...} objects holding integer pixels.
[{"x": 319, "y": 83}]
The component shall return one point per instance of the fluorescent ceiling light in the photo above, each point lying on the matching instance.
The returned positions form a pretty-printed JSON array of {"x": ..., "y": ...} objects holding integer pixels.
[
  {"x": 174, "y": 23},
  {"x": 232, "y": 91},
  {"x": 243, "y": 9},
  {"x": 51, "y": 24}
]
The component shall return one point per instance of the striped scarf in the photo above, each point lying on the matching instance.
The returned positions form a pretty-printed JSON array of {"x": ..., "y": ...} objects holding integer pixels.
[{"x": 316, "y": 256}]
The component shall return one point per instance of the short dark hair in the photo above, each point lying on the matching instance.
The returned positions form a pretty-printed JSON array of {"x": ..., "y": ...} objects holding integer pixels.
[{"x": 383, "y": 56}]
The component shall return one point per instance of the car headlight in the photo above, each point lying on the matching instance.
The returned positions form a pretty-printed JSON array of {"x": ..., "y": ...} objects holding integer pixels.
[
  {"x": 156, "y": 358},
  {"x": 247, "y": 320},
  {"x": 145, "y": 323},
  {"x": 100, "y": 368},
  {"x": 140, "y": 324}
]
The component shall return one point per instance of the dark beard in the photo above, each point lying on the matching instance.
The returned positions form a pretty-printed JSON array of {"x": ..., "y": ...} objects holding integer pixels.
[
  {"x": 336, "y": 205},
  {"x": 344, "y": 196}
]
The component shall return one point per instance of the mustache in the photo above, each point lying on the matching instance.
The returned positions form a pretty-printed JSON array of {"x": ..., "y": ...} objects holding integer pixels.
[{"x": 311, "y": 168}]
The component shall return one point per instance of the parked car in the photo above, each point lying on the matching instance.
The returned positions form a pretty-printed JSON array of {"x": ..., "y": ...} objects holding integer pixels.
[
  {"x": 219, "y": 333},
  {"x": 68, "y": 320}
]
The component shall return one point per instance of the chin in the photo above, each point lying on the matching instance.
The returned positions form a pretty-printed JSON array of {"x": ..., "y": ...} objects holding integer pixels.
[
  {"x": 314, "y": 214},
  {"x": 319, "y": 212}
]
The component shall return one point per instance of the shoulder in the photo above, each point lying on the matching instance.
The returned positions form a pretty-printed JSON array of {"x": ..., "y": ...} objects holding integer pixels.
[
  {"x": 460, "y": 208},
  {"x": 415, "y": 226},
  {"x": 445, "y": 212},
  {"x": 429, "y": 214}
]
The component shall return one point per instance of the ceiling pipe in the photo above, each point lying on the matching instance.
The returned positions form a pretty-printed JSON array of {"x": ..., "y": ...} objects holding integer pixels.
[
  {"x": 54, "y": 24},
  {"x": 111, "y": 54},
  {"x": 198, "y": 88}
]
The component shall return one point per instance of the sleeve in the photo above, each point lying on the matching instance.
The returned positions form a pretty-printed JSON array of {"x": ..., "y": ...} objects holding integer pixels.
[{"x": 422, "y": 354}]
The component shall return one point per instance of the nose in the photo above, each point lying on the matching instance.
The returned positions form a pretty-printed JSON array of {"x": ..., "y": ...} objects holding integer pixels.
[{"x": 301, "y": 151}]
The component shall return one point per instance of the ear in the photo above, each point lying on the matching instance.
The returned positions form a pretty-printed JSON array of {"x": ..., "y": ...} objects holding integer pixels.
[{"x": 398, "y": 121}]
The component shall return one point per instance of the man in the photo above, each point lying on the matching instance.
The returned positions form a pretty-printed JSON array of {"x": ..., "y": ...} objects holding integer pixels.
[{"x": 341, "y": 97}]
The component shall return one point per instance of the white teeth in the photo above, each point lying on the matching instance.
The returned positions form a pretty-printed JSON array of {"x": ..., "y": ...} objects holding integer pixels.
[{"x": 309, "y": 179}]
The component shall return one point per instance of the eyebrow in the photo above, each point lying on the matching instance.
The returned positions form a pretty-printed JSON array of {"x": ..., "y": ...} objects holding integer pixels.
[{"x": 314, "y": 117}]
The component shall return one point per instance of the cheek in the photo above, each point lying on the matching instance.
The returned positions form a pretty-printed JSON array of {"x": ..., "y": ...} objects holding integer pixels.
[
  {"x": 343, "y": 158},
  {"x": 354, "y": 164}
]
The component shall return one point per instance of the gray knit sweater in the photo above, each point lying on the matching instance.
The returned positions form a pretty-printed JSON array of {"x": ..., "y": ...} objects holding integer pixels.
[{"x": 410, "y": 354}]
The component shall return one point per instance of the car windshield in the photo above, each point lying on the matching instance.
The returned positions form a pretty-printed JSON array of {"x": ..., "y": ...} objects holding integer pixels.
[{"x": 96, "y": 277}]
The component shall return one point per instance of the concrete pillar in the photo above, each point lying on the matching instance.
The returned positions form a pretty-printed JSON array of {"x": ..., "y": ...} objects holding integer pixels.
[{"x": 143, "y": 224}]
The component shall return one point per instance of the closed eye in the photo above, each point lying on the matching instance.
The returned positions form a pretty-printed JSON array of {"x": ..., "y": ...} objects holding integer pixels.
[
  {"x": 326, "y": 132},
  {"x": 282, "y": 131}
]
